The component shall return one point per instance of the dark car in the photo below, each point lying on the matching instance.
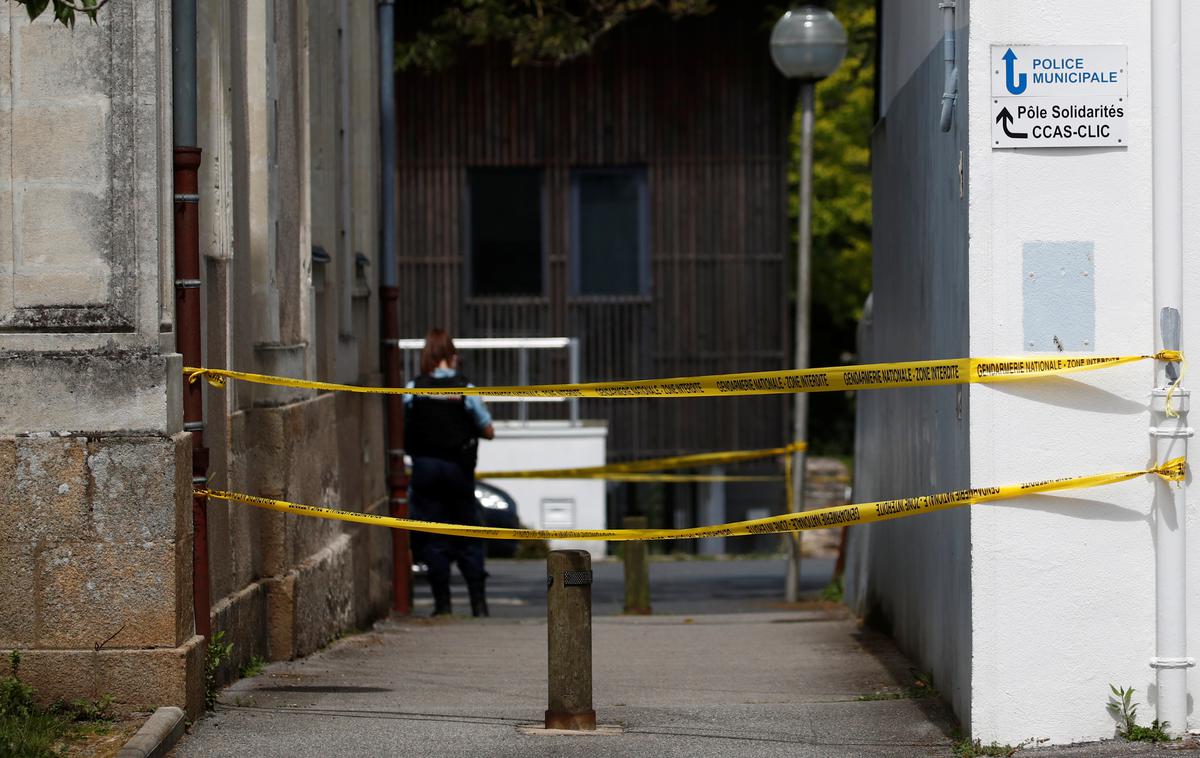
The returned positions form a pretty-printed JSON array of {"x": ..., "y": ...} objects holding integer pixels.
[{"x": 499, "y": 511}]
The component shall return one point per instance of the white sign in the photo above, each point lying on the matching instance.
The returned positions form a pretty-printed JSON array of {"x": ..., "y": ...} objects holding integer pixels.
[{"x": 1059, "y": 96}]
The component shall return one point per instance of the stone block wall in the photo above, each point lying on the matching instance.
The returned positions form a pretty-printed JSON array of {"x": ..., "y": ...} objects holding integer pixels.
[
  {"x": 96, "y": 529},
  {"x": 93, "y": 577},
  {"x": 278, "y": 183},
  {"x": 284, "y": 585},
  {"x": 95, "y": 512}
]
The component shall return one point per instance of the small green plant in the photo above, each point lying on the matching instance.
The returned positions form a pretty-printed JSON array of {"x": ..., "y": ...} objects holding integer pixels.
[
  {"x": 832, "y": 592},
  {"x": 922, "y": 686},
  {"x": 976, "y": 749},
  {"x": 38, "y": 735},
  {"x": 24, "y": 730},
  {"x": 218, "y": 651},
  {"x": 1156, "y": 732},
  {"x": 1124, "y": 710},
  {"x": 16, "y": 697},
  {"x": 84, "y": 709},
  {"x": 1122, "y": 707},
  {"x": 254, "y": 667},
  {"x": 32, "y": 732}
]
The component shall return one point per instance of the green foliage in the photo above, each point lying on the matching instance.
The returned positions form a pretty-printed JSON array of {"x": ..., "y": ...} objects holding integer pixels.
[
  {"x": 1156, "y": 732},
  {"x": 29, "y": 732},
  {"x": 841, "y": 218},
  {"x": 253, "y": 668},
  {"x": 218, "y": 650},
  {"x": 34, "y": 736},
  {"x": 976, "y": 749},
  {"x": 921, "y": 687},
  {"x": 64, "y": 10},
  {"x": 537, "y": 31},
  {"x": 16, "y": 697},
  {"x": 1121, "y": 706},
  {"x": 85, "y": 709},
  {"x": 832, "y": 592}
]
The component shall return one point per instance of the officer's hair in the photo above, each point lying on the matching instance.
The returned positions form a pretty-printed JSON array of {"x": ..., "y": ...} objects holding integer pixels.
[{"x": 438, "y": 347}]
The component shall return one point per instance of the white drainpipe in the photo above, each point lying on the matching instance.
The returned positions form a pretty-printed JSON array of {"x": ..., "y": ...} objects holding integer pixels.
[
  {"x": 950, "y": 88},
  {"x": 1170, "y": 430}
]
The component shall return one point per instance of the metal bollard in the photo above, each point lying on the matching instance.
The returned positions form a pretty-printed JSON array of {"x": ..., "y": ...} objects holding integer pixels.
[
  {"x": 569, "y": 637},
  {"x": 637, "y": 570}
]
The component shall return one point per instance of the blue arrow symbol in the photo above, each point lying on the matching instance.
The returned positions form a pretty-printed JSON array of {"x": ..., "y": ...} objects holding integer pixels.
[{"x": 1015, "y": 87}]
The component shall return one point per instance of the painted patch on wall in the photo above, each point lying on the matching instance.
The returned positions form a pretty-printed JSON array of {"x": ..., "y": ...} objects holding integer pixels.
[{"x": 1059, "y": 296}]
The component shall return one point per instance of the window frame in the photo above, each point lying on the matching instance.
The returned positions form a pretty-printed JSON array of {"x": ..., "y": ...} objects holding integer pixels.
[
  {"x": 575, "y": 254},
  {"x": 469, "y": 279}
]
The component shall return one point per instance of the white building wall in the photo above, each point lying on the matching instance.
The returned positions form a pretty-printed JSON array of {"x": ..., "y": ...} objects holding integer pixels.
[
  {"x": 1024, "y": 611},
  {"x": 912, "y": 576},
  {"x": 1062, "y": 586}
]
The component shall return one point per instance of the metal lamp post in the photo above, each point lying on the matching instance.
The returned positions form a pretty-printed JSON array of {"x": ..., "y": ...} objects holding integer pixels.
[{"x": 808, "y": 44}]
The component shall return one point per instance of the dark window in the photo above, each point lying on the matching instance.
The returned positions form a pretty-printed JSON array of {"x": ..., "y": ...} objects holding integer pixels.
[
  {"x": 609, "y": 232},
  {"x": 506, "y": 232}
]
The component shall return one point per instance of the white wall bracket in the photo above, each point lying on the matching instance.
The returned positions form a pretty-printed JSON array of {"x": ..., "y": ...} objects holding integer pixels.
[{"x": 1172, "y": 663}]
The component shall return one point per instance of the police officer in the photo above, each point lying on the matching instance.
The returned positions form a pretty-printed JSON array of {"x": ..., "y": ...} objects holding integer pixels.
[{"x": 441, "y": 433}]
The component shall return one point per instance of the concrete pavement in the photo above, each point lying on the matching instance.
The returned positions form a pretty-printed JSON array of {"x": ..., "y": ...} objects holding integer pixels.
[
  {"x": 779, "y": 683},
  {"x": 749, "y": 677}
]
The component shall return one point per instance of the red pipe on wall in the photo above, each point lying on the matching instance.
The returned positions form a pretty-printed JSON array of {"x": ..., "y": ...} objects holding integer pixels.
[
  {"x": 187, "y": 342},
  {"x": 397, "y": 475}
]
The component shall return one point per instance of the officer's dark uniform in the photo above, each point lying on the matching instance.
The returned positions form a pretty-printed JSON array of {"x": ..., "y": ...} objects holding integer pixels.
[{"x": 443, "y": 440}]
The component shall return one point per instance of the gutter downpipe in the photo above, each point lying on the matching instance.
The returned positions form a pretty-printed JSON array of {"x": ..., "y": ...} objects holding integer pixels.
[
  {"x": 950, "y": 92},
  {"x": 390, "y": 310},
  {"x": 1169, "y": 432},
  {"x": 187, "y": 284}
]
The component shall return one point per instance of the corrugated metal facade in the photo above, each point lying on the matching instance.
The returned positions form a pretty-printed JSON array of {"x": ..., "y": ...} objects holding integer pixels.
[{"x": 698, "y": 104}]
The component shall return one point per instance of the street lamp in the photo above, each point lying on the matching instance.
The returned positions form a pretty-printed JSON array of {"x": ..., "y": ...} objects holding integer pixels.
[{"x": 808, "y": 44}]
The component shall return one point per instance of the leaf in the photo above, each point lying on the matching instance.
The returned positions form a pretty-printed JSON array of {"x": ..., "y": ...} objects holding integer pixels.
[
  {"x": 35, "y": 7},
  {"x": 89, "y": 9},
  {"x": 64, "y": 14}
]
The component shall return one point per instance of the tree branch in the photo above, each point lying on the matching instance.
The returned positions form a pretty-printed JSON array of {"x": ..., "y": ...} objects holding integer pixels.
[{"x": 99, "y": 645}]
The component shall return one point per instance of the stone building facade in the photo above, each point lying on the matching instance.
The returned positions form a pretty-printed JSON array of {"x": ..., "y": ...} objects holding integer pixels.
[{"x": 95, "y": 475}]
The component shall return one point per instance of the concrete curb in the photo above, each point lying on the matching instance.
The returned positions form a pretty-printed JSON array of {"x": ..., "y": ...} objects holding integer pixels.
[{"x": 158, "y": 735}]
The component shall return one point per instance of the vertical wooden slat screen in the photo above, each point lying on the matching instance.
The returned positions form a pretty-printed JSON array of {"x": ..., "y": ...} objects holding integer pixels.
[{"x": 698, "y": 103}]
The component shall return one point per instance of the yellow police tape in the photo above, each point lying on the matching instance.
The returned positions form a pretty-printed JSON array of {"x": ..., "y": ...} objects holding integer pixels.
[
  {"x": 820, "y": 518},
  {"x": 669, "y": 478},
  {"x": 641, "y": 471},
  {"x": 861, "y": 377}
]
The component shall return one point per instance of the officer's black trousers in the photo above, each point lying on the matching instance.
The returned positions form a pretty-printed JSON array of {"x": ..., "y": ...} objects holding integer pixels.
[{"x": 445, "y": 491}]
